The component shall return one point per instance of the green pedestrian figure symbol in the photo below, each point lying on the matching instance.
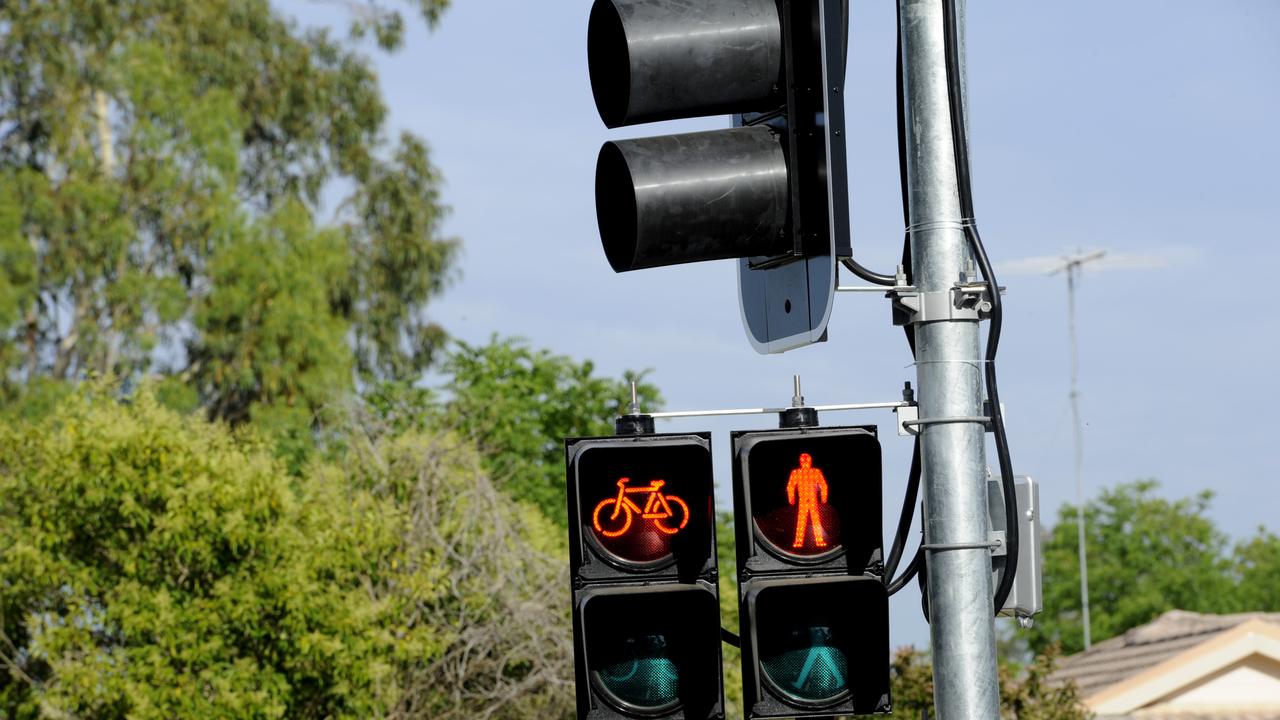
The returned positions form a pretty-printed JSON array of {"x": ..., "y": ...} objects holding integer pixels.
[{"x": 821, "y": 665}]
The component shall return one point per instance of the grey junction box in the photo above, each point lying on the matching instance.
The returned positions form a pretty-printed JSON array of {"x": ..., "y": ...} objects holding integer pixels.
[{"x": 1026, "y": 598}]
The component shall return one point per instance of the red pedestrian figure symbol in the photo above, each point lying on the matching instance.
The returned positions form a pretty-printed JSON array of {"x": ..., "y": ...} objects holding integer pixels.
[{"x": 809, "y": 487}]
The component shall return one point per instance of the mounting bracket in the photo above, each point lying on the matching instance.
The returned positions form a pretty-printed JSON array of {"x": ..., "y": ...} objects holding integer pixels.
[{"x": 962, "y": 301}]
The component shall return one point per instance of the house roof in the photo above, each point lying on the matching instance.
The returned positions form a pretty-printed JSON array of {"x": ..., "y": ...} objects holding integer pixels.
[
  {"x": 1260, "y": 715},
  {"x": 1141, "y": 671},
  {"x": 1115, "y": 660}
]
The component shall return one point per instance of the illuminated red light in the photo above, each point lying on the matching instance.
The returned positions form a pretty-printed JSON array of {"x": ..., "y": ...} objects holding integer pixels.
[
  {"x": 808, "y": 485},
  {"x": 795, "y": 502},
  {"x": 616, "y": 517},
  {"x": 656, "y": 508}
]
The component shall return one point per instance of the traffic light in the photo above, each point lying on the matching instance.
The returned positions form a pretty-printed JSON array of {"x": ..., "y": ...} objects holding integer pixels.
[
  {"x": 813, "y": 606},
  {"x": 646, "y": 610},
  {"x": 770, "y": 191}
]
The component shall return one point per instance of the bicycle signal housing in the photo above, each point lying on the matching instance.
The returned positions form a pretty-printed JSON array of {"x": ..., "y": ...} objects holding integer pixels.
[{"x": 646, "y": 610}]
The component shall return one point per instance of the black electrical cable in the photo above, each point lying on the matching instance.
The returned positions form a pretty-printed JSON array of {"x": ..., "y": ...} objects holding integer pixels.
[
  {"x": 923, "y": 579},
  {"x": 867, "y": 274},
  {"x": 913, "y": 569},
  {"x": 901, "y": 92},
  {"x": 960, "y": 143},
  {"x": 913, "y": 478},
  {"x": 908, "y": 511}
]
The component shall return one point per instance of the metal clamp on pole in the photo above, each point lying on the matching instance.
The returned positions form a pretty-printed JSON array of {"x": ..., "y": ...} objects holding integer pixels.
[
  {"x": 995, "y": 544},
  {"x": 908, "y": 424},
  {"x": 962, "y": 301}
]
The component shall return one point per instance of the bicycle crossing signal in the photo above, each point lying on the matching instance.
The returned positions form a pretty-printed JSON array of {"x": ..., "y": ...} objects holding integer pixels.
[
  {"x": 813, "y": 608},
  {"x": 771, "y": 191},
  {"x": 646, "y": 612},
  {"x": 648, "y": 652}
]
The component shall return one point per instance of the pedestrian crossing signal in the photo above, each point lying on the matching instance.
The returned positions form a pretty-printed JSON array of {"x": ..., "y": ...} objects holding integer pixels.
[
  {"x": 819, "y": 646},
  {"x": 812, "y": 604},
  {"x": 807, "y": 497}
]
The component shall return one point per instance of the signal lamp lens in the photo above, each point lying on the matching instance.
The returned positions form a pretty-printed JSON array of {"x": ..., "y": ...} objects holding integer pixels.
[
  {"x": 804, "y": 642},
  {"x": 797, "y": 489},
  {"x": 806, "y": 666},
  {"x": 651, "y": 652},
  {"x": 823, "y": 643},
  {"x": 642, "y": 675},
  {"x": 641, "y": 503}
]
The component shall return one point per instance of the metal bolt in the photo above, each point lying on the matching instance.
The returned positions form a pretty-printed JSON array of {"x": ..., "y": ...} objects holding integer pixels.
[{"x": 797, "y": 398}]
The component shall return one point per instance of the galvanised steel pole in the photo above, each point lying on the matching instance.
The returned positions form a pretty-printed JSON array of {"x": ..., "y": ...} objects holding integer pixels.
[{"x": 950, "y": 376}]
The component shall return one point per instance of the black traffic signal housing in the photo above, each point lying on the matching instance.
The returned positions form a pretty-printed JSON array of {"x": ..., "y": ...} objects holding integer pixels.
[
  {"x": 770, "y": 191},
  {"x": 646, "y": 609},
  {"x": 813, "y": 607}
]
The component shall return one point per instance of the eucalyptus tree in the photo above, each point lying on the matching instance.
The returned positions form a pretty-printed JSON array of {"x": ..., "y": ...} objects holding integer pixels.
[{"x": 166, "y": 166}]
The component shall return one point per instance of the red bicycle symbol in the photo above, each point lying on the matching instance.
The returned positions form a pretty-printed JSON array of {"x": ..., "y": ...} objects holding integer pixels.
[{"x": 657, "y": 507}]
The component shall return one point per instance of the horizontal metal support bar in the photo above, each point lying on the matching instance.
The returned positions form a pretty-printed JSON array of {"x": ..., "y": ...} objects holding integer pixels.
[
  {"x": 708, "y": 413},
  {"x": 774, "y": 411},
  {"x": 875, "y": 288},
  {"x": 862, "y": 406}
]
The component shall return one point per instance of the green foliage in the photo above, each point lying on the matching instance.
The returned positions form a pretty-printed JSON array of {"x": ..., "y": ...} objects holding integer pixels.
[
  {"x": 1146, "y": 555},
  {"x": 1258, "y": 567},
  {"x": 155, "y": 567},
  {"x": 1025, "y": 693},
  {"x": 37, "y": 399},
  {"x": 519, "y": 404},
  {"x": 393, "y": 271},
  {"x": 153, "y": 151},
  {"x": 266, "y": 347},
  {"x": 727, "y": 559},
  {"x": 503, "y": 621}
]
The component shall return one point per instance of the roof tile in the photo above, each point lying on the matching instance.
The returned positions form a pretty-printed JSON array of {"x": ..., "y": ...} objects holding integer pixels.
[{"x": 1146, "y": 646}]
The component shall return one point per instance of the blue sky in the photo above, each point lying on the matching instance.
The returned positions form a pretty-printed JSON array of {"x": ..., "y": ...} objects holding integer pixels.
[{"x": 1147, "y": 128}]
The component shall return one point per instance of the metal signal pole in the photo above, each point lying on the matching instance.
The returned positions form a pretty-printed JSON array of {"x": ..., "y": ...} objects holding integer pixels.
[
  {"x": 950, "y": 376},
  {"x": 1072, "y": 267}
]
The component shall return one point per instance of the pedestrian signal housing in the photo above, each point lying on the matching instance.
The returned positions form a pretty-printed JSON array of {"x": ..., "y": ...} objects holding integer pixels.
[
  {"x": 813, "y": 607},
  {"x": 646, "y": 609},
  {"x": 771, "y": 191}
]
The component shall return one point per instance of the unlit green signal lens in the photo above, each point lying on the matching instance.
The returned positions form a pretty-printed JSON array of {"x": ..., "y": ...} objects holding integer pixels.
[
  {"x": 646, "y": 678},
  {"x": 809, "y": 669}
]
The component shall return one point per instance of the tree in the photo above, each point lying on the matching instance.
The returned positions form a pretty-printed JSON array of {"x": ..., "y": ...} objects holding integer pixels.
[
  {"x": 727, "y": 562},
  {"x": 1258, "y": 572},
  {"x": 505, "y": 648},
  {"x": 518, "y": 405},
  {"x": 157, "y": 566},
  {"x": 1146, "y": 555},
  {"x": 1025, "y": 693},
  {"x": 147, "y": 147}
]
